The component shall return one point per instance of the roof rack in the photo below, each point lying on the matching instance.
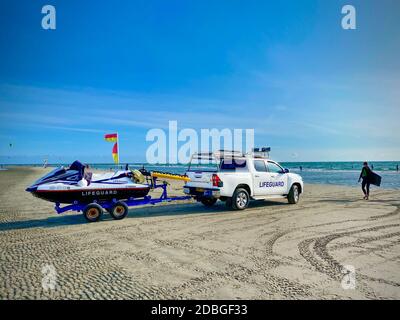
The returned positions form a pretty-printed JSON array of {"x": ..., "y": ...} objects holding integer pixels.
[
  {"x": 256, "y": 153},
  {"x": 203, "y": 156},
  {"x": 218, "y": 154},
  {"x": 261, "y": 152},
  {"x": 228, "y": 153}
]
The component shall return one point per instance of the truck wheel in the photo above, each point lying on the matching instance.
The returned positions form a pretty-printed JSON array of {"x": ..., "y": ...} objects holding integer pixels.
[
  {"x": 93, "y": 212},
  {"x": 294, "y": 194},
  {"x": 240, "y": 199},
  {"x": 208, "y": 202},
  {"x": 119, "y": 210}
]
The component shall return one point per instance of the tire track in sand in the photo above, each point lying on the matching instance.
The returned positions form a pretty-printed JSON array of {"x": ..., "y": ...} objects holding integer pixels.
[{"x": 315, "y": 252}]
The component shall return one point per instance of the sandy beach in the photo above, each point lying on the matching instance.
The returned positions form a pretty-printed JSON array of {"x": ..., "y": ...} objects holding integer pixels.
[{"x": 272, "y": 250}]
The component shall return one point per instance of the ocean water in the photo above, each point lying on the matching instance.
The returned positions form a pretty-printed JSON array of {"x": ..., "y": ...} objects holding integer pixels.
[
  {"x": 345, "y": 173},
  {"x": 335, "y": 173}
]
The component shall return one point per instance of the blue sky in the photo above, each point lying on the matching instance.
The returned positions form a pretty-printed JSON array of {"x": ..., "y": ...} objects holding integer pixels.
[{"x": 311, "y": 90}]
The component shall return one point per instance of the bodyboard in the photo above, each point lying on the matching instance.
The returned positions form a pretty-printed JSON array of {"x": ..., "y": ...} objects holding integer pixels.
[{"x": 375, "y": 179}]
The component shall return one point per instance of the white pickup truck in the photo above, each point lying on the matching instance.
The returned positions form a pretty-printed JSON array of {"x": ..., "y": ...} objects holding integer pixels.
[{"x": 237, "y": 178}]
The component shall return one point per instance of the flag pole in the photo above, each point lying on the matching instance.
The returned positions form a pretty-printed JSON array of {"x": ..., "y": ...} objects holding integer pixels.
[{"x": 118, "y": 146}]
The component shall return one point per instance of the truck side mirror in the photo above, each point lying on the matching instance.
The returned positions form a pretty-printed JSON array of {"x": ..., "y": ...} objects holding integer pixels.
[{"x": 286, "y": 170}]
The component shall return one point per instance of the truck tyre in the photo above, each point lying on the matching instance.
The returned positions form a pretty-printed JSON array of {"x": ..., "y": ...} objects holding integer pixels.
[
  {"x": 294, "y": 194},
  {"x": 240, "y": 199},
  {"x": 208, "y": 202},
  {"x": 93, "y": 212},
  {"x": 119, "y": 210}
]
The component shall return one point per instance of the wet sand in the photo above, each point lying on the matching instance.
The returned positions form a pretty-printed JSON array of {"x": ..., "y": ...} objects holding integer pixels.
[{"x": 186, "y": 251}]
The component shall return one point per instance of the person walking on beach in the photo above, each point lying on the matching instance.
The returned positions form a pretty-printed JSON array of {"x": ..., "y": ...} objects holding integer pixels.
[{"x": 365, "y": 175}]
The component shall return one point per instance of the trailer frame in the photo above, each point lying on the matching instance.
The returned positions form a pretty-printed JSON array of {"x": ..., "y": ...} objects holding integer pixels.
[{"x": 131, "y": 202}]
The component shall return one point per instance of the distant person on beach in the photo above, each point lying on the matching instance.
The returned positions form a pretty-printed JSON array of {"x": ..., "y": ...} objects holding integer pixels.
[
  {"x": 365, "y": 175},
  {"x": 397, "y": 167},
  {"x": 372, "y": 167},
  {"x": 301, "y": 168}
]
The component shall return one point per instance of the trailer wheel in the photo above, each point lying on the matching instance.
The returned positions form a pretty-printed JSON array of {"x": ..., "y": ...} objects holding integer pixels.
[
  {"x": 208, "y": 202},
  {"x": 119, "y": 210},
  {"x": 93, "y": 212},
  {"x": 240, "y": 199}
]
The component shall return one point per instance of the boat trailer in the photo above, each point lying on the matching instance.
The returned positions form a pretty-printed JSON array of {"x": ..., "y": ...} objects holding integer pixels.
[{"x": 118, "y": 209}]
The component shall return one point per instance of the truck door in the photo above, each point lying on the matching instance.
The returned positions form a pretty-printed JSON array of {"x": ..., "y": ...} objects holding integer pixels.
[
  {"x": 261, "y": 178},
  {"x": 278, "y": 178}
]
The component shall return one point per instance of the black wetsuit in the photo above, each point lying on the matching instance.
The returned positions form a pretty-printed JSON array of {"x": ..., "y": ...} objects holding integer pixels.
[{"x": 364, "y": 175}]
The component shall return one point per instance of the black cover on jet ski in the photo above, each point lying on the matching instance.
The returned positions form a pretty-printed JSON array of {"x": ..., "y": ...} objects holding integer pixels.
[{"x": 78, "y": 166}]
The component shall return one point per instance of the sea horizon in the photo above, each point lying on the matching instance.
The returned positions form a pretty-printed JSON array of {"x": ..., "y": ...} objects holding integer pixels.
[
  {"x": 313, "y": 172},
  {"x": 346, "y": 165}
]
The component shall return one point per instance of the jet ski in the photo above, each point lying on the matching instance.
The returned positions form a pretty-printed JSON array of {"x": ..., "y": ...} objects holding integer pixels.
[{"x": 74, "y": 185}]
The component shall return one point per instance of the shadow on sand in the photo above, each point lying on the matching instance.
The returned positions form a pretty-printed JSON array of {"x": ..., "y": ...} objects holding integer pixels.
[{"x": 140, "y": 212}]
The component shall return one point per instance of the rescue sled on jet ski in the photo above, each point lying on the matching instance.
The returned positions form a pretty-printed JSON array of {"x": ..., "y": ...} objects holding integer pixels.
[{"x": 91, "y": 193}]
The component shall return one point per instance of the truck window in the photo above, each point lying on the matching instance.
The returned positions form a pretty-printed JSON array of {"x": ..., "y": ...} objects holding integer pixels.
[
  {"x": 203, "y": 166},
  {"x": 259, "y": 165},
  {"x": 232, "y": 164},
  {"x": 274, "y": 168}
]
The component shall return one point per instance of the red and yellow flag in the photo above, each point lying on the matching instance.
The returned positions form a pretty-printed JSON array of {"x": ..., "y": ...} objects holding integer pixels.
[
  {"x": 115, "y": 153},
  {"x": 113, "y": 137}
]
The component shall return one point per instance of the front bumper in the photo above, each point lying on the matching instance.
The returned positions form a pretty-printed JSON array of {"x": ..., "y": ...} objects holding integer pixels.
[{"x": 202, "y": 192}]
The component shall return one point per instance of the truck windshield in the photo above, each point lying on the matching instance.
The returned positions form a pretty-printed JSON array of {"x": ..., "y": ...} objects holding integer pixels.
[{"x": 202, "y": 165}]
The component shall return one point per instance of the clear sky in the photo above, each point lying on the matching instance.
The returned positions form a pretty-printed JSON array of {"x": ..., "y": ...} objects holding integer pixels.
[{"x": 311, "y": 90}]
